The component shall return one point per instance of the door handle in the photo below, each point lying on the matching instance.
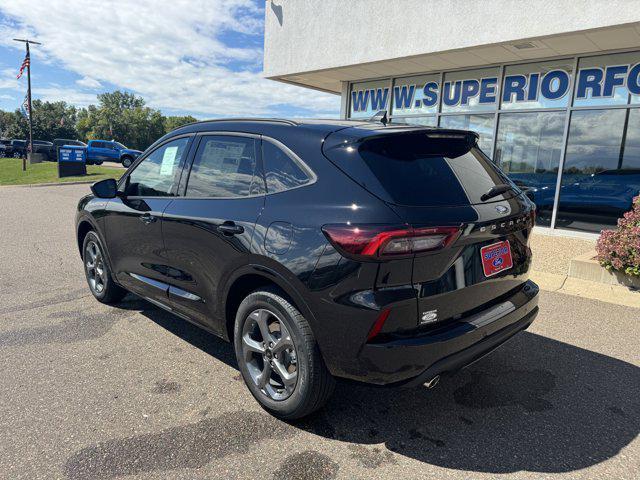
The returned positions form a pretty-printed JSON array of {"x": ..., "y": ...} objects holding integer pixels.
[
  {"x": 230, "y": 228},
  {"x": 147, "y": 218}
]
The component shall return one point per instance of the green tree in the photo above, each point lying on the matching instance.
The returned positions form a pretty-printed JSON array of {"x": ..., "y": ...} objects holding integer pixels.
[
  {"x": 173, "y": 122},
  {"x": 120, "y": 116},
  {"x": 54, "y": 120},
  {"x": 123, "y": 117},
  {"x": 50, "y": 120}
]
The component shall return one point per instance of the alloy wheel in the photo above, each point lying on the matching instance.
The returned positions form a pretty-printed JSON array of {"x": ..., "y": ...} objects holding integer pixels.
[
  {"x": 269, "y": 354},
  {"x": 95, "y": 268}
]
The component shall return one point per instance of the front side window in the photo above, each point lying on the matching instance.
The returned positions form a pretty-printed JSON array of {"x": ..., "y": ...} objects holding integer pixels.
[
  {"x": 157, "y": 174},
  {"x": 224, "y": 166},
  {"x": 281, "y": 171}
]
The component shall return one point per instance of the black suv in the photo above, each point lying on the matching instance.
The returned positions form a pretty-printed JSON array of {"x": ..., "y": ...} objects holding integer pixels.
[
  {"x": 51, "y": 151},
  {"x": 384, "y": 254}
]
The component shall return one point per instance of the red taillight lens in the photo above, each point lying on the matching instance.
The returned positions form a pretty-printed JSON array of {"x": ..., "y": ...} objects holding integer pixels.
[{"x": 389, "y": 241}]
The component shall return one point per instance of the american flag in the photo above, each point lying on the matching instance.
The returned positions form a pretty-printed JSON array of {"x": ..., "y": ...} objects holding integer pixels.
[{"x": 25, "y": 64}]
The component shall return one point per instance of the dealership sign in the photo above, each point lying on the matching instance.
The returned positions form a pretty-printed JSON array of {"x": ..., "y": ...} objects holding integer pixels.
[{"x": 552, "y": 85}]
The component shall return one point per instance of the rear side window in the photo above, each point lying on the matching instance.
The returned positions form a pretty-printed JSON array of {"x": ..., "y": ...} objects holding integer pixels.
[
  {"x": 224, "y": 166},
  {"x": 281, "y": 171},
  {"x": 417, "y": 170}
]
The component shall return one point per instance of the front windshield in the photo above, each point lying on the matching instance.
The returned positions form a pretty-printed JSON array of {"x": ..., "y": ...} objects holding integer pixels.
[{"x": 120, "y": 146}]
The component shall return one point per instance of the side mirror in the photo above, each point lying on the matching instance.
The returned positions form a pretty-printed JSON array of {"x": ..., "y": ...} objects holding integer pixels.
[{"x": 107, "y": 188}]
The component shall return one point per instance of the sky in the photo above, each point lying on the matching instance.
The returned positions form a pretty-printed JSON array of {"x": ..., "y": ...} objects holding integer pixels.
[{"x": 198, "y": 57}]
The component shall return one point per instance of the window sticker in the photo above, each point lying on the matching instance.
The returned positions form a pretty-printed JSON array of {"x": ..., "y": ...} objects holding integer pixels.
[{"x": 168, "y": 161}]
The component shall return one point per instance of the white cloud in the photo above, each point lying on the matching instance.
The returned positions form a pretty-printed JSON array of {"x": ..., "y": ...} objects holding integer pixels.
[
  {"x": 89, "y": 82},
  {"x": 169, "y": 51},
  {"x": 69, "y": 95}
]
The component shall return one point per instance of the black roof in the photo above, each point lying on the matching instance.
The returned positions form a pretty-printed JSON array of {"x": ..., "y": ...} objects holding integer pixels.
[{"x": 315, "y": 127}]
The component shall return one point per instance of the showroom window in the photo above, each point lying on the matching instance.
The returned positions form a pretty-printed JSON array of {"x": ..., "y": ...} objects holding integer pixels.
[
  {"x": 428, "y": 121},
  {"x": 566, "y": 130},
  {"x": 608, "y": 80},
  {"x": 601, "y": 172},
  {"x": 537, "y": 85},
  {"x": 415, "y": 95},
  {"x": 481, "y": 124},
  {"x": 367, "y": 98},
  {"x": 528, "y": 149},
  {"x": 470, "y": 91}
]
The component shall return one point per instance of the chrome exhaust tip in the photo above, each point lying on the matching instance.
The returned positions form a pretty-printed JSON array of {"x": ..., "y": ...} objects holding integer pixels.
[{"x": 433, "y": 382}]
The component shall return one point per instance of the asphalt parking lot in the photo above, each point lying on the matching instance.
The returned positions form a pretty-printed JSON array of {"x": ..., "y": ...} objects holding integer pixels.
[{"x": 90, "y": 391}]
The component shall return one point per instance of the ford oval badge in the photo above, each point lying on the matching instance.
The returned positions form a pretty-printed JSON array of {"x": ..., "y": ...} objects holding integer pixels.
[{"x": 502, "y": 209}]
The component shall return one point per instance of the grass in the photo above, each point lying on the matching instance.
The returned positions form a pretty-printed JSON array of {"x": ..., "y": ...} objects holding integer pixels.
[{"x": 47, "y": 172}]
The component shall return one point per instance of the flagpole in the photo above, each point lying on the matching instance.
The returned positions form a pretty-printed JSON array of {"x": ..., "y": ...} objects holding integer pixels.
[
  {"x": 30, "y": 152},
  {"x": 29, "y": 109}
]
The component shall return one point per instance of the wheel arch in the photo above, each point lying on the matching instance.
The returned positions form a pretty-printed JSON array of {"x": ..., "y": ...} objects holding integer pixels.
[
  {"x": 87, "y": 224},
  {"x": 84, "y": 227},
  {"x": 249, "y": 279}
]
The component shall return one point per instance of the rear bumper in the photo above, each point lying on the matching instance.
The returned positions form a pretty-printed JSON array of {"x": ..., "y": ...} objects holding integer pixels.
[{"x": 415, "y": 360}]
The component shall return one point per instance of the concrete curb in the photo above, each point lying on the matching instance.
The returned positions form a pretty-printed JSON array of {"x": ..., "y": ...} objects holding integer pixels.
[
  {"x": 586, "y": 268},
  {"x": 56, "y": 184},
  {"x": 578, "y": 287}
]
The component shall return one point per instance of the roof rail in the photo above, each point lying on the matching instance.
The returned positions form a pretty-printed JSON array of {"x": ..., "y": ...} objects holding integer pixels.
[{"x": 270, "y": 120}]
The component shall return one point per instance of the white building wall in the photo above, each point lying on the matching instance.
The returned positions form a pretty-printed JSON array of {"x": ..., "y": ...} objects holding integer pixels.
[{"x": 308, "y": 35}]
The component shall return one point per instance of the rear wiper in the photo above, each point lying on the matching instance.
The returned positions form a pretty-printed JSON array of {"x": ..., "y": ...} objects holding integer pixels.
[{"x": 496, "y": 190}]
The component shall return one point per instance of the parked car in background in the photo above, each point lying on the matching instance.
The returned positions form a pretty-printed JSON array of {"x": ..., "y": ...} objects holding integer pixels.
[
  {"x": 3, "y": 147},
  {"x": 42, "y": 147},
  {"x": 16, "y": 148},
  {"x": 52, "y": 151},
  {"x": 99, "y": 151},
  {"x": 321, "y": 249}
]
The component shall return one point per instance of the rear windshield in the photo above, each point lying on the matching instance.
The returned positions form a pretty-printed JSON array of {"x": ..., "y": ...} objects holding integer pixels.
[{"x": 422, "y": 170}]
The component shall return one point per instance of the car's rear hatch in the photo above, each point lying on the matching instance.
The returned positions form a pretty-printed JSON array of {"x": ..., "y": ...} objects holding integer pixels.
[{"x": 439, "y": 178}]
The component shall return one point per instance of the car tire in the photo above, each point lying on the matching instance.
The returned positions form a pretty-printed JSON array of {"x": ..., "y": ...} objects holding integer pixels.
[
  {"x": 295, "y": 353},
  {"x": 127, "y": 161},
  {"x": 97, "y": 271}
]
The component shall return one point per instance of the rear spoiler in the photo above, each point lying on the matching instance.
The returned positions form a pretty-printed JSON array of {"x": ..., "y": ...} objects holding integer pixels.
[{"x": 356, "y": 135}]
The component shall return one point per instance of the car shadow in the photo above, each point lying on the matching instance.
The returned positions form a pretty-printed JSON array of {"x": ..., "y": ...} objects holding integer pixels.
[
  {"x": 535, "y": 404},
  {"x": 196, "y": 336}
]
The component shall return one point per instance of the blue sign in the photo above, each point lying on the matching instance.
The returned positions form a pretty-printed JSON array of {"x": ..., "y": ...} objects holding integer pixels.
[
  {"x": 70, "y": 153},
  {"x": 553, "y": 85},
  {"x": 72, "y": 161}
]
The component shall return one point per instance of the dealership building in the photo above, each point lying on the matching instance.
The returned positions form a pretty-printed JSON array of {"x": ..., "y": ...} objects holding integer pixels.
[{"x": 551, "y": 87}]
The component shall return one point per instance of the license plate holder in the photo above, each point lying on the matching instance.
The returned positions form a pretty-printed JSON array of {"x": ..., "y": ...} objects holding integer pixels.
[{"x": 496, "y": 258}]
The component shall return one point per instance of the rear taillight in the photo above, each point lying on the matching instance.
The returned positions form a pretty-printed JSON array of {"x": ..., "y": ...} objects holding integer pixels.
[{"x": 379, "y": 241}]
